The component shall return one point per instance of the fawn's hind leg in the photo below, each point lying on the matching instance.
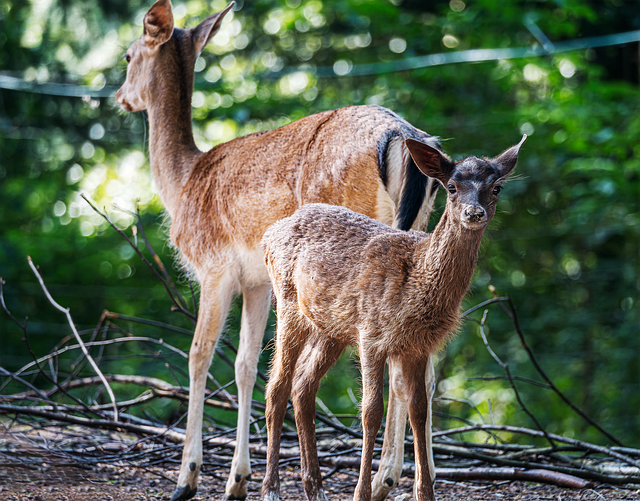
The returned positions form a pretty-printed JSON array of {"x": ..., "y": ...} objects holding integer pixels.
[
  {"x": 316, "y": 359},
  {"x": 290, "y": 339}
]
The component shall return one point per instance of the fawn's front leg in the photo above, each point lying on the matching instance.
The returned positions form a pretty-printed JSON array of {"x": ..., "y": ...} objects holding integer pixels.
[
  {"x": 414, "y": 371},
  {"x": 372, "y": 368},
  {"x": 392, "y": 457}
]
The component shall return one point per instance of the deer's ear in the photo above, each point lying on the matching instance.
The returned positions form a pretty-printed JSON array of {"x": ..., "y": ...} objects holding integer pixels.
[
  {"x": 508, "y": 159},
  {"x": 204, "y": 32},
  {"x": 158, "y": 24},
  {"x": 431, "y": 162}
]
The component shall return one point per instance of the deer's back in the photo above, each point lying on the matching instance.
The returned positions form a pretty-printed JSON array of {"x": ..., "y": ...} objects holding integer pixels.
[{"x": 240, "y": 188}]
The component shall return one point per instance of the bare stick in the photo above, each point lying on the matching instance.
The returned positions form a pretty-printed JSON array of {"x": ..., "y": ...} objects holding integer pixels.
[
  {"x": 515, "y": 378},
  {"x": 513, "y": 315},
  {"x": 154, "y": 255},
  {"x": 526, "y": 431},
  {"x": 11, "y": 375},
  {"x": 92, "y": 423},
  {"x": 78, "y": 338},
  {"x": 115, "y": 341},
  {"x": 505, "y": 367},
  {"x": 144, "y": 321},
  {"x": 176, "y": 304},
  {"x": 482, "y": 305},
  {"x": 33, "y": 355},
  {"x": 542, "y": 476}
]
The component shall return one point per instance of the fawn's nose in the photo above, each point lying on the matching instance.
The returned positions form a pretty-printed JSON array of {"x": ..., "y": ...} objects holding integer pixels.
[{"x": 475, "y": 214}]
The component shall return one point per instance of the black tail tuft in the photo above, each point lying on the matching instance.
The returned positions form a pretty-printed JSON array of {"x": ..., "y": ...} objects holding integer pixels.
[
  {"x": 383, "y": 152},
  {"x": 414, "y": 185},
  {"x": 414, "y": 190}
]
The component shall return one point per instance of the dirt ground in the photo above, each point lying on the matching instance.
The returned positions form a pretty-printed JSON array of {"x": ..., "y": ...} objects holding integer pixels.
[{"x": 110, "y": 483}]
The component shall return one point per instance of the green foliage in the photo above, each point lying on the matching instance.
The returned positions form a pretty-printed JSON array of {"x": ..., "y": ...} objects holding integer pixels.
[{"x": 564, "y": 245}]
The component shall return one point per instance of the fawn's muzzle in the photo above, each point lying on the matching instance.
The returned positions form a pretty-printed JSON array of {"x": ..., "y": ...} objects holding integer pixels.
[{"x": 475, "y": 214}]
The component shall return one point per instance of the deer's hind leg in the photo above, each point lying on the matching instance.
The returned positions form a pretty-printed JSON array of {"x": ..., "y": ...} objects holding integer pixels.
[
  {"x": 290, "y": 339},
  {"x": 316, "y": 359},
  {"x": 392, "y": 457},
  {"x": 217, "y": 290},
  {"x": 418, "y": 395},
  {"x": 255, "y": 311}
]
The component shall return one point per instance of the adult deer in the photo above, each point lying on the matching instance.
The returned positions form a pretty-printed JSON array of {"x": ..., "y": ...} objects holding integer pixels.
[
  {"x": 221, "y": 202},
  {"x": 341, "y": 278}
]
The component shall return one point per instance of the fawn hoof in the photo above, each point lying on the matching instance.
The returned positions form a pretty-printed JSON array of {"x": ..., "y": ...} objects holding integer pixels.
[{"x": 183, "y": 492}]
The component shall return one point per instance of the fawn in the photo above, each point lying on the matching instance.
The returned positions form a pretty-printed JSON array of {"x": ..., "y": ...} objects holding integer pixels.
[
  {"x": 222, "y": 201},
  {"x": 341, "y": 278}
]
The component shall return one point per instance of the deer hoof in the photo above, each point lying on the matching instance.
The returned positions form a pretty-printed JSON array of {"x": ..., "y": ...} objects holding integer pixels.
[
  {"x": 184, "y": 492},
  {"x": 237, "y": 486}
]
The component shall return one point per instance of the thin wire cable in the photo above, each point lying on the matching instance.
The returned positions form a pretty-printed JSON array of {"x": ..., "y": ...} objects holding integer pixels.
[{"x": 407, "y": 64}]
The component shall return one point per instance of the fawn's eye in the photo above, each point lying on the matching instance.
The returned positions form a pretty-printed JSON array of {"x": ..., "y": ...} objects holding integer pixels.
[
  {"x": 451, "y": 188},
  {"x": 496, "y": 190},
  {"x": 127, "y": 58}
]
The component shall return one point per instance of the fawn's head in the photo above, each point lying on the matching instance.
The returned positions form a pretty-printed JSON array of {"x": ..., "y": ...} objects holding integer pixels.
[
  {"x": 473, "y": 184},
  {"x": 157, "y": 53}
]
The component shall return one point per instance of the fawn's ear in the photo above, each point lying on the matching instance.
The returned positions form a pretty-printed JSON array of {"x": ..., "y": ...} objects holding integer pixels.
[
  {"x": 204, "y": 32},
  {"x": 158, "y": 24},
  {"x": 508, "y": 159},
  {"x": 430, "y": 161}
]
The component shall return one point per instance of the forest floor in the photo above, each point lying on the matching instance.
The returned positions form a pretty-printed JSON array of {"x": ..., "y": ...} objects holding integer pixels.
[{"x": 59, "y": 482}]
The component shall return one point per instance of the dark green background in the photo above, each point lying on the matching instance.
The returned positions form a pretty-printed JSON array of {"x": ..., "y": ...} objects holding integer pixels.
[{"x": 564, "y": 243}]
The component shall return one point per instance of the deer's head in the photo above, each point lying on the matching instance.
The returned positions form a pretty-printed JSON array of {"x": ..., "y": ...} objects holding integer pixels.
[
  {"x": 154, "y": 54},
  {"x": 473, "y": 184}
]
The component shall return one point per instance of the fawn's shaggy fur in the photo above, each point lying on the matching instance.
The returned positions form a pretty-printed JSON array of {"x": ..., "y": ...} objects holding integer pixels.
[{"x": 341, "y": 278}]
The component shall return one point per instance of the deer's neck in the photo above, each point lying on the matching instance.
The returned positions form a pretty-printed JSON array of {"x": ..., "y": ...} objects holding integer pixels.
[
  {"x": 172, "y": 150},
  {"x": 449, "y": 260}
]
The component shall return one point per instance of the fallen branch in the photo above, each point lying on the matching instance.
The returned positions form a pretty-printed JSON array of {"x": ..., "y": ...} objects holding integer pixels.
[{"x": 78, "y": 338}]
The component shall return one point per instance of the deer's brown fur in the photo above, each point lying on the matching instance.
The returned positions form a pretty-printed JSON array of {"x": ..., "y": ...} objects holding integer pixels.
[
  {"x": 220, "y": 203},
  {"x": 341, "y": 278}
]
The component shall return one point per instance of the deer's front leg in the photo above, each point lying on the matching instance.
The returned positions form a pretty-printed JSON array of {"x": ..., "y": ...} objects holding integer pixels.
[
  {"x": 215, "y": 300},
  {"x": 430, "y": 386},
  {"x": 392, "y": 457},
  {"x": 255, "y": 310}
]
